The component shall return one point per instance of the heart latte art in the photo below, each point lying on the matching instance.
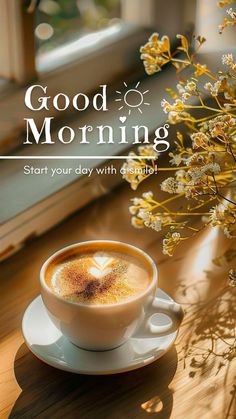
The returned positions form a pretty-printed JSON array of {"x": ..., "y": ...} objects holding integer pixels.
[
  {"x": 98, "y": 275},
  {"x": 100, "y": 269}
]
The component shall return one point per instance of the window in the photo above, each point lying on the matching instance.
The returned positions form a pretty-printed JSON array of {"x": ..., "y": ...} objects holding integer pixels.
[
  {"x": 208, "y": 18},
  {"x": 38, "y": 26},
  {"x": 62, "y": 56},
  {"x": 62, "y": 21},
  {"x": 90, "y": 43}
]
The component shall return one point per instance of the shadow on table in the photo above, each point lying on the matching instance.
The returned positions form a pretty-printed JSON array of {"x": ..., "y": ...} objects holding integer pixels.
[
  {"x": 51, "y": 393},
  {"x": 208, "y": 342}
]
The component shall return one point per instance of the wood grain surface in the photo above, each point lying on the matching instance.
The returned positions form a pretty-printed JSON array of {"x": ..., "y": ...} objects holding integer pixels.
[{"x": 195, "y": 379}]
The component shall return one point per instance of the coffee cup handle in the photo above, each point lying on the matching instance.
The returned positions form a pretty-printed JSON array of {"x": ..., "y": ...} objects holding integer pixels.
[{"x": 172, "y": 309}]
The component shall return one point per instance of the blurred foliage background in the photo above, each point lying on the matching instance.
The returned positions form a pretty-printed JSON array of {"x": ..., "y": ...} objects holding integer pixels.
[{"x": 60, "y": 21}]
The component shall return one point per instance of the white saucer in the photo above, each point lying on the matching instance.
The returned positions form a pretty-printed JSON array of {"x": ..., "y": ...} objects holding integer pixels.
[{"x": 49, "y": 345}]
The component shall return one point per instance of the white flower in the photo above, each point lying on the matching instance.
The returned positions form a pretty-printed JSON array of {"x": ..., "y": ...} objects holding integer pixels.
[
  {"x": 170, "y": 242},
  {"x": 186, "y": 96},
  {"x": 166, "y": 106},
  {"x": 136, "y": 222},
  {"x": 197, "y": 173},
  {"x": 147, "y": 195},
  {"x": 217, "y": 214},
  {"x": 228, "y": 234},
  {"x": 169, "y": 185},
  {"x": 180, "y": 88},
  {"x": 214, "y": 88},
  {"x": 224, "y": 216},
  {"x": 199, "y": 139},
  {"x": 228, "y": 106},
  {"x": 157, "y": 224},
  {"x": 174, "y": 117},
  {"x": 191, "y": 87},
  {"x": 139, "y": 201},
  {"x": 133, "y": 209},
  {"x": 231, "y": 13},
  {"x": 147, "y": 150},
  {"x": 144, "y": 214},
  {"x": 227, "y": 59},
  {"x": 208, "y": 86},
  {"x": 180, "y": 188},
  {"x": 176, "y": 159},
  {"x": 213, "y": 167}
]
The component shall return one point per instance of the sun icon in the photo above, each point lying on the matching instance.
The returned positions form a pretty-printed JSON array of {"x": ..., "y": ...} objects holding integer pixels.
[{"x": 132, "y": 98}]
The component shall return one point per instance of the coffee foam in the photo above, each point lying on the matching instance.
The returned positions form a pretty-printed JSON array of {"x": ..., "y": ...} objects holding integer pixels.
[{"x": 98, "y": 275}]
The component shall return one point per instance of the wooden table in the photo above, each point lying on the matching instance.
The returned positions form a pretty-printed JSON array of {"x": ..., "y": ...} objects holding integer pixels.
[{"x": 189, "y": 382}]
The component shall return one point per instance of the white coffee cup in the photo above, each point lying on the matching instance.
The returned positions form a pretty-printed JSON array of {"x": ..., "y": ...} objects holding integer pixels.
[{"x": 106, "y": 326}]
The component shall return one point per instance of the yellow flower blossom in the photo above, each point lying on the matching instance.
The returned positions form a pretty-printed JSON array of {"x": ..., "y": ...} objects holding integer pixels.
[
  {"x": 202, "y": 171},
  {"x": 170, "y": 242},
  {"x": 200, "y": 69},
  {"x": 155, "y": 53}
]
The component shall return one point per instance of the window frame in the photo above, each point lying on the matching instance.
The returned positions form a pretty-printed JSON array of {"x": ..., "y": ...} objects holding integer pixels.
[
  {"x": 118, "y": 52},
  {"x": 17, "y": 49},
  {"x": 17, "y": 42},
  {"x": 18, "y": 63},
  {"x": 18, "y": 66}
]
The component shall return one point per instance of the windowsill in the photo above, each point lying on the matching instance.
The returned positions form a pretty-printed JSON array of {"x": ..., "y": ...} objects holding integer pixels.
[
  {"x": 82, "y": 47},
  {"x": 105, "y": 62},
  {"x": 32, "y": 204}
]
